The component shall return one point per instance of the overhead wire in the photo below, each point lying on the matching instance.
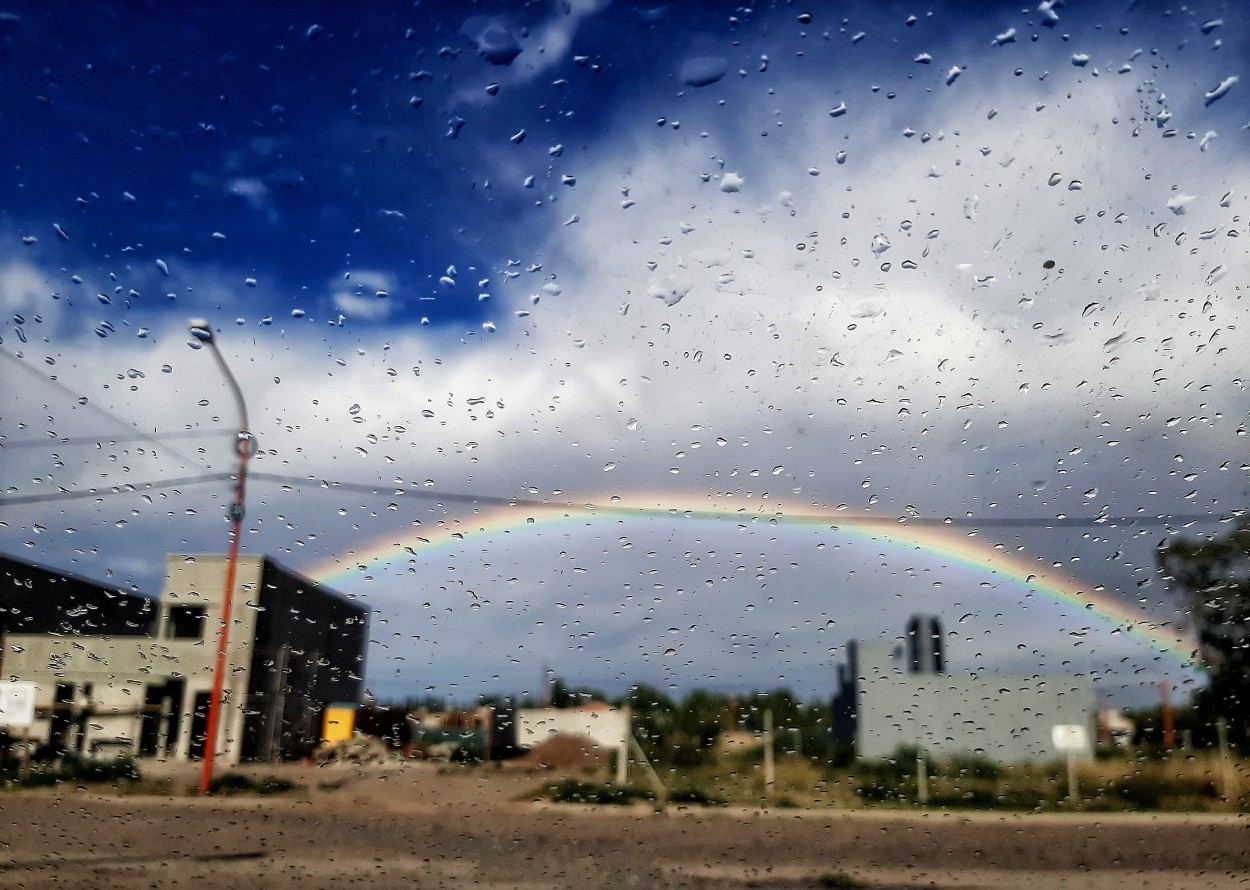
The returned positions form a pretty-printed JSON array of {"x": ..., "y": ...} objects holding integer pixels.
[
  {"x": 86, "y": 402},
  {"x": 460, "y": 497},
  {"x": 36, "y": 442},
  {"x": 63, "y": 494}
]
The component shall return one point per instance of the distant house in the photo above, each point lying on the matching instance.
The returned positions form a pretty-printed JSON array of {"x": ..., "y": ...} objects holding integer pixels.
[
  {"x": 880, "y": 708},
  {"x": 126, "y": 674}
]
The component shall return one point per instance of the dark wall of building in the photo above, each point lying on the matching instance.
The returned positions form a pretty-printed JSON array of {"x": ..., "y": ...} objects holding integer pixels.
[
  {"x": 309, "y": 652},
  {"x": 844, "y": 701},
  {"x": 39, "y": 600},
  {"x": 925, "y": 654}
]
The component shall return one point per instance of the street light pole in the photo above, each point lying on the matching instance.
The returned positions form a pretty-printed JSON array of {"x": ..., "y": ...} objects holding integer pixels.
[{"x": 203, "y": 333}]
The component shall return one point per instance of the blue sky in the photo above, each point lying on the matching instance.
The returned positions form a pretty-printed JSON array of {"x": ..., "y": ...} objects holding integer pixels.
[{"x": 974, "y": 260}]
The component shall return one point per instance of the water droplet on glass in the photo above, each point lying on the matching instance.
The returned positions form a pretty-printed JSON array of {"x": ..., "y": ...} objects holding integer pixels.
[{"x": 703, "y": 70}]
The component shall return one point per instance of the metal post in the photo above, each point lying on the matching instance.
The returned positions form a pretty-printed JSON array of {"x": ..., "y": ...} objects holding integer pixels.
[
  {"x": 1226, "y": 770},
  {"x": 24, "y": 768},
  {"x": 1073, "y": 791},
  {"x": 622, "y": 753},
  {"x": 770, "y": 769},
  {"x": 661, "y": 792},
  {"x": 1169, "y": 734},
  {"x": 922, "y": 778},
  {"x": 202, "y": 332}
]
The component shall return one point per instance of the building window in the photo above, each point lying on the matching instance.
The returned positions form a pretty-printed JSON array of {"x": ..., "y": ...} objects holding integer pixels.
[{"x": 186, "y": 622}]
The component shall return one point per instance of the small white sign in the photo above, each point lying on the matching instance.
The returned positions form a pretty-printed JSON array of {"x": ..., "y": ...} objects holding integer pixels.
[
  {"x": 1070, "y": 737},
  {"x": 17, "y": 704}
]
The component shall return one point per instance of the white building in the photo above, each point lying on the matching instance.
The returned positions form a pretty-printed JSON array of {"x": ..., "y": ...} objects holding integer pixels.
[{"x": 294, "y": 647}]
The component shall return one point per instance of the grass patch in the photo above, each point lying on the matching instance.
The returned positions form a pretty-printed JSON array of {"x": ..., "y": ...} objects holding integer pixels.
[
  {"x": 838, "y": 881},
  {"x": 1180, "y": 781}
]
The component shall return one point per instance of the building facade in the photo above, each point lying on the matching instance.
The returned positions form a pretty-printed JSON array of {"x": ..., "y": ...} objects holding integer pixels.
[
  {"x": 138, "y": 680},
  {"x": 880, "y": 708}
]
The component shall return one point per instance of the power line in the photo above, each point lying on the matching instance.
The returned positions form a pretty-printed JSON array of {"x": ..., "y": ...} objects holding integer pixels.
[
  {"x": 1062, "y": 521},
  {"x": 456, "y": 497},
  {"x": 112, "y": 440},
  {"x": 65, "y": 494},
  {"x": 85, "y": 401},
  {"x": 1155, "y": 521}
]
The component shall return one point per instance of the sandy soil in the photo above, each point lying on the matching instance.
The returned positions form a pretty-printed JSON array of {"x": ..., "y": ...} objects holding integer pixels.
[{"x": 422, "y": 826}]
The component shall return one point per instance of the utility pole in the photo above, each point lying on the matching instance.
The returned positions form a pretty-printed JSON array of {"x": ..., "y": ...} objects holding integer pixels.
[{"x": 201, "y": 331}]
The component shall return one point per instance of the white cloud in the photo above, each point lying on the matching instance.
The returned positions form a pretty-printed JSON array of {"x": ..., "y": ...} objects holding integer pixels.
[
  {"x": 366, "y": 294},
  {"x": 25, "y": 291}
]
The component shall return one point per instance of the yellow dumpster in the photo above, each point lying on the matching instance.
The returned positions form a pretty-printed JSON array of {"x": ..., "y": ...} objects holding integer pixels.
[{"x": 338, "y": 722}]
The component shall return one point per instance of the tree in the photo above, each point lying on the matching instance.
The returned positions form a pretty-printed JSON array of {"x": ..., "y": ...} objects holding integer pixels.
[
  {"x": 673, "y": 734},
  {"x": 1215, "y": 575},
  {"x": 651, "y": 719},
  {"x": 565, "y": 696}
]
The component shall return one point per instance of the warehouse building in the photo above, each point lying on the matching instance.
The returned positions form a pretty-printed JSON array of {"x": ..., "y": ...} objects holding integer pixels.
[
  {"x": 124, "y": 674},
  {"x": 881, "y": 708}
]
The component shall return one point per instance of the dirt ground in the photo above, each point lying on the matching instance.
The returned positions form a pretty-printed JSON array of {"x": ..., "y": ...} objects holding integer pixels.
[{"x": 424, "y": 826}]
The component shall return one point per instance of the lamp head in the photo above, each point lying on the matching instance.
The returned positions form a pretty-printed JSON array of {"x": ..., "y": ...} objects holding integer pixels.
[{"x": 200, "y": 330}]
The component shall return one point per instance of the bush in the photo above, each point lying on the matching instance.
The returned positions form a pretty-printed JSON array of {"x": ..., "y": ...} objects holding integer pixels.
[
  {"x": 120, "y": 769},
  {"x": 696, "y": 796},
  {"x": 973, "y": 766},
  {"x": 237, "y": 783},
  {"x": 78, "y": 770},
  {"x": 979, "y": 798},
  {"x": 575, "y": 791}
]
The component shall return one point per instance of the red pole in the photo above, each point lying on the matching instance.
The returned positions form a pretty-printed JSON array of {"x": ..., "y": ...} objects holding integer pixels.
[{"x": 201, "y": 331}]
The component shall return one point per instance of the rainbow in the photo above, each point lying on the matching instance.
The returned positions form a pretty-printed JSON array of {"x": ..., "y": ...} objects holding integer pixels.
[{"x": 953, "y": 546}]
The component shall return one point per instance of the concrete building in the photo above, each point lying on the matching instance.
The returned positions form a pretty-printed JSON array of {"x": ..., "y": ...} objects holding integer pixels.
[
  {"x": 137, "y": 679},
  {"x": 880, "y": 708}
]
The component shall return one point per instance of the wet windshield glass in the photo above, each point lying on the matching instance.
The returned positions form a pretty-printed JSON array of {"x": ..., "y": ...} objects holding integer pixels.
[{"x": 852, "y": 383}]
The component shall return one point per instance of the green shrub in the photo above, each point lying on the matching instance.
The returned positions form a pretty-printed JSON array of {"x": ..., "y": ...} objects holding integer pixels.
[
  {"x": 973, "y": 766},
  {"x": 980, "y": 798},
  {"x": 689, "y": 794},
  {"x": 120, "y": 769},
  {"x": 238, "y": 783},
  {"x": 77, "y": 770},
  {"x": 575, "y": 791}
]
